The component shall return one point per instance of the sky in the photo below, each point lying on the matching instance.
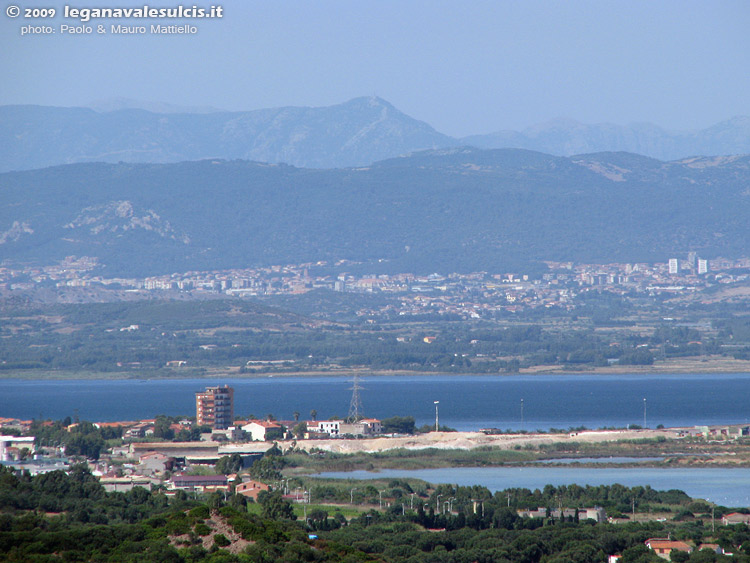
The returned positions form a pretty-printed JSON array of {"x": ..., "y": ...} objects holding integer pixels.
[{"x": 467, "y": 67}]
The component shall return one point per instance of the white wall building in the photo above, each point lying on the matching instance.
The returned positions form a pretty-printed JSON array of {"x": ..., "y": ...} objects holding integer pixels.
[{"x": 10, "y": 446}]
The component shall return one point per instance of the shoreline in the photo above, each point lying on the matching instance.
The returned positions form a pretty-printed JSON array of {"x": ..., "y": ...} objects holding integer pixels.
[
  {"x": 669, "y": 448},
  {"x": 683, "y": 367}
]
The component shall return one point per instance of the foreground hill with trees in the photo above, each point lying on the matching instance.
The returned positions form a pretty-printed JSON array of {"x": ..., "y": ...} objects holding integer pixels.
[{"x": 69, "y": 517}]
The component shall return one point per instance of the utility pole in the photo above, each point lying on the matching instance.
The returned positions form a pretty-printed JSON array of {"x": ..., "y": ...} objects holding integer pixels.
[
  {"x": 437, "y": 427},
  {"x": 522, "y": 421},
  {"x": 644, "y": 412}
]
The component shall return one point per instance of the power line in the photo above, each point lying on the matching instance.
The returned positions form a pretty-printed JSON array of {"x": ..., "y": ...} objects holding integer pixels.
[{"x": 356, "y": 412}]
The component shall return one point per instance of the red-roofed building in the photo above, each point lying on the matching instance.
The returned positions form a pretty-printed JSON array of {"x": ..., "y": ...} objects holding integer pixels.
[
  {"x": 15, "y": 423},
  {"x": 260, "y": 430},
  {"x": 251, "y": 489},
  {"x": 123, "y": 423},
  {"x": 735, "y": 518},
  {"x": 663, "y": 547}
]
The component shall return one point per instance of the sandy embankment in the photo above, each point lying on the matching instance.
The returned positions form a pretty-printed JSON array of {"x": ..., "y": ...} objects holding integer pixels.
[{"x": 470, "y": 440}]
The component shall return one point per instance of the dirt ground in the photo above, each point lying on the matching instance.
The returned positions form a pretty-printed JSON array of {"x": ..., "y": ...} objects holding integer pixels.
[{"x": 470, "y": 440}]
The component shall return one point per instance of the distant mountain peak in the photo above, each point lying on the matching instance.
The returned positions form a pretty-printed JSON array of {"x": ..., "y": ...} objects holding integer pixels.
[
  {"x": 354, "y": 133},
  {"x": 371, "y": 101}
]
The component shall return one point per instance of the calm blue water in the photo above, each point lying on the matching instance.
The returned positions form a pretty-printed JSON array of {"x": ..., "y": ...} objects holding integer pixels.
[
  {"x": 724, "y": 486},
  {"x": 612, "y": 459},
  {"x": 466, "y": 402}
]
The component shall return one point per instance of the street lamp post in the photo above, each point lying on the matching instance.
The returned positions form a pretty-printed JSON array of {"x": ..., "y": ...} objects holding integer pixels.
[
  {"x": 351, "y": 496},
  {"x": 436, "y": 416}
]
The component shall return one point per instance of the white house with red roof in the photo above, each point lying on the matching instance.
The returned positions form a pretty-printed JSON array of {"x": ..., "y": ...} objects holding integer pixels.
[{"x": 259, "y": 429}]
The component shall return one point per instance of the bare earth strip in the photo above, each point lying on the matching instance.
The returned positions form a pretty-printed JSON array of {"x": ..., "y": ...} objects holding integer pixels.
[{"x": 470, "y": 440}]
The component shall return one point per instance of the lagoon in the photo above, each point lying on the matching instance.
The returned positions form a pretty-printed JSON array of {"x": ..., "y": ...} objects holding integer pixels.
[{"x": 725, "y": 486}]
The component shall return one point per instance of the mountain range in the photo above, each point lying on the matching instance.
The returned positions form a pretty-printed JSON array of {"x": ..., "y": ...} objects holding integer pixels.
[
  {"x": 355, "y": 133},
  {"x": 565, "y": 137},
  {"x": 457, "y": 209}
]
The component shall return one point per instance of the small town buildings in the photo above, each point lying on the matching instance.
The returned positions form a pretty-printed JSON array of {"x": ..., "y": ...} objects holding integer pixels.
[
  {"x": 154, "y": 462},
  {"x": 735, "y": 518},
  {"x": 14, "y": 424},
  {"x": 202, "y": 453},
  {"x": 566, "y": 513},
  {"x": 596, "y": 513},
  {"x": 232, "y": 434},
  {"x": 540, "y": 512},
  {"x": 364, "y": 427},
  {"x": 715, "y": 547},
  {"x": 663, "y": 547},
  {"x": 251, "y": 489},
  {"x": 330, "y": 427},
  {"x": 140, "y": 430},
  {"x": 125, "y": 484},
  {"x": 263, "y": 430},
  {"x": 12, "y": 447},
  {"x": 199, "y": 483}
]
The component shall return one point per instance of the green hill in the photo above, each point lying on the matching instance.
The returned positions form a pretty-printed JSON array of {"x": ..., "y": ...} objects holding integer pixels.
[{"x": 451, "y": 210}]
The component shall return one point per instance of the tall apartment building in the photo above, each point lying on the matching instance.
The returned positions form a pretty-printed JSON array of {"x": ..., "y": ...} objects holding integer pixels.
[
  {"x": 674, "y": 266},
  {"x": 215, "y": 407},
  {"x": 702, "y": 266}
]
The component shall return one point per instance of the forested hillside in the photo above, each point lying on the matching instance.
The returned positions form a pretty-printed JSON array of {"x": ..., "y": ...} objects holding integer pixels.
[{"x": 455, "y": 210}]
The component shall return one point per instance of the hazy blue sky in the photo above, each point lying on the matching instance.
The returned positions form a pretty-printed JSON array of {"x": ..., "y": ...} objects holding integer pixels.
[{"x": 464, "y": 67}]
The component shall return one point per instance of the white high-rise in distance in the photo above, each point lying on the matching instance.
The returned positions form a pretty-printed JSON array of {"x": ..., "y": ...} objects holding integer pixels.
[{"x": 674, "y": 266}]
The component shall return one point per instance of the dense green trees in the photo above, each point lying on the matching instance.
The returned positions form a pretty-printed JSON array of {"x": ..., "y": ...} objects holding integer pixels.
[
  {"x": 84, "y": 439},
  {"x": 399, "y": 425},
  {"x": 229, "y": 464},
  {"x": 60, "y": 517}
]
